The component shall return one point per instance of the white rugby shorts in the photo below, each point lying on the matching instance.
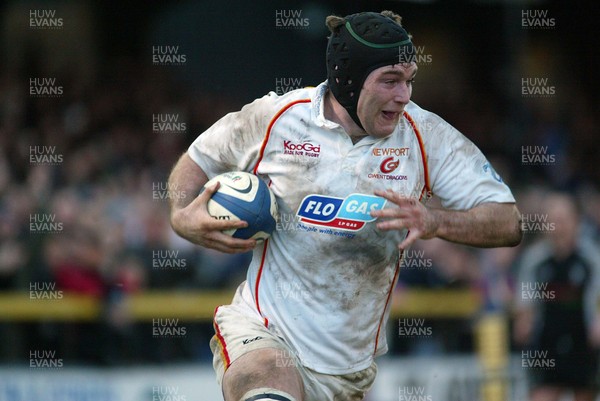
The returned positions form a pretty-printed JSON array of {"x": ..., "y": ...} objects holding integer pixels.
[{"x": 239, "y": 329}]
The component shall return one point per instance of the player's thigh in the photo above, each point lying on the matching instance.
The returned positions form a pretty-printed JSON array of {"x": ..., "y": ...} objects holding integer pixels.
[{"x": 262, "y": 368}]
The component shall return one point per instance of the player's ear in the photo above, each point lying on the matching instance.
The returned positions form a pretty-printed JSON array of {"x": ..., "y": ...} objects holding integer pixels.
[{"x": 334, "y": 22}]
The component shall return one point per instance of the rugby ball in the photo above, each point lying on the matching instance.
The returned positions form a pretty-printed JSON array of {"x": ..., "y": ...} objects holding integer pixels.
[{"x": 244, "y": 196}]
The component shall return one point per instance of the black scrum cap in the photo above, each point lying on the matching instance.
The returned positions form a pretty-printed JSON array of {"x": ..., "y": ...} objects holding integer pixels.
[{"x": 365, "y": 42}]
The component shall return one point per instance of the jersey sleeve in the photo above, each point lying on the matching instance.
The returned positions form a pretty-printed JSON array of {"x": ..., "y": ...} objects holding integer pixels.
[
  {"x": 460, "y": 174},
  {"x": 233, "y": 143}
]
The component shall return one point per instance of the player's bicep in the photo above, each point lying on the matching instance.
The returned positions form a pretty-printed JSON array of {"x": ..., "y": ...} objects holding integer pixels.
[{"x": 462, "y": 177}]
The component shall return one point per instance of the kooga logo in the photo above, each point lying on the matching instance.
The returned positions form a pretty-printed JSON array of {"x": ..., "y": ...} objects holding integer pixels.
[{"x": 290, "y": 148}]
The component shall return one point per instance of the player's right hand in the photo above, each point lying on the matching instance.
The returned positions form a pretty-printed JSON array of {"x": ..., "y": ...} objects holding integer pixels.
[{"x": 194, "y": 223}]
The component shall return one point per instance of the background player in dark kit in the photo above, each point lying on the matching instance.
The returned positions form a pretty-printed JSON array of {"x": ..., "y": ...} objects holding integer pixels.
[{"x": 557, "y": 307}]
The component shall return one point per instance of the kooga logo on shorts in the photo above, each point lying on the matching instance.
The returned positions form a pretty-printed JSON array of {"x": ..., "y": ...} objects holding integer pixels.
[{"x": 350, "y": 213}]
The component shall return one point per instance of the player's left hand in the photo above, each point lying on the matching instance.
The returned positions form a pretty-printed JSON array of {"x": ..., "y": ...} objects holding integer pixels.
[{"x": 409, "y": 214}]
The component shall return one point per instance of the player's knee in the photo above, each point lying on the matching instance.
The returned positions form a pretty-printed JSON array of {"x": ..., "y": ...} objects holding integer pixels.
[
  {"x": 259, "y": 370},
  {"x": 267, "y": 394},
  {"x": 263, "y": 385}
]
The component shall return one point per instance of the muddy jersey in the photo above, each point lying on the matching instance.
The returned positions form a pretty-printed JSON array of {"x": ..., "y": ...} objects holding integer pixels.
[{"x": 324, "y": 279}]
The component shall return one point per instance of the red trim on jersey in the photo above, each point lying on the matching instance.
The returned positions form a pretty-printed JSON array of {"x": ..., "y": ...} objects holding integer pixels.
[
  {"x": 258, "y": 276},
  {"x": 387, "y": 301},
  {"x": 255, "y": 171},
  {"x": 221, "y": 340},
  {"x": 426, "y": 190},
  {"x": 423, "y": 154},
  {"x": 270, "y": 128}
]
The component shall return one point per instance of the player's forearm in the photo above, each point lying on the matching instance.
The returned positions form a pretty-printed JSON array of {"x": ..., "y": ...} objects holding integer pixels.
[
  {"x": 486, "y": 225},
  {"x": 187, "y": 179}
]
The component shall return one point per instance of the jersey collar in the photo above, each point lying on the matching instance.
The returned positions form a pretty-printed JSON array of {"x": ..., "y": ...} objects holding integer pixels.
[{"x": 318, "y": 108}]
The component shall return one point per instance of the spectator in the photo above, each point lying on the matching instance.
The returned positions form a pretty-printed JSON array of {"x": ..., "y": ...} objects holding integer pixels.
[{"x": 557, "y": 316}]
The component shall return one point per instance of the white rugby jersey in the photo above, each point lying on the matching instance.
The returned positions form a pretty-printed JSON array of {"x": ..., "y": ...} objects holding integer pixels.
[{"x": 324, "y": 279}]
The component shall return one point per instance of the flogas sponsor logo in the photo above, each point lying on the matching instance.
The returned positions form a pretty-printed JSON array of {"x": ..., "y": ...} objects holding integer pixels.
[{"x": 350, "y": 213}]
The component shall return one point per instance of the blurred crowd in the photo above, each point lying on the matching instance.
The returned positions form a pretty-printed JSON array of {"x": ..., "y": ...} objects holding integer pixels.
[{"x": 83, "y": 187}]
